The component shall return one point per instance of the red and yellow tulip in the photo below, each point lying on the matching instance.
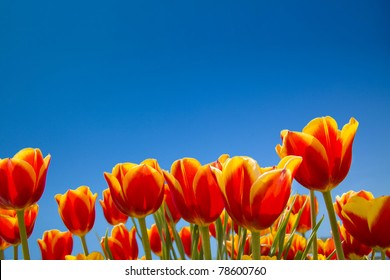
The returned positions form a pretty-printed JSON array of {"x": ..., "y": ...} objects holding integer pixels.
[
  {"x": 195, "y": 191},
  {"x": 94, "y": 256},
  {"x": 110, "y": 211},
  {"x": 345, "y": 197},
  {"x": 255, "y": 197},
  {"x": 9, "y": 228},
  {"x": 326, "y": 152},
  {"x": 22, "y": 178},
  {"x": 368, "y": 220},
  {"x": 174, "y": 214},
  {"x": 122, "y": 243},
  {"x": 55, "y": 245},
  {"x": 303, "y": 202},
  {"x": 353, "y": 249},
  {"x": 77, "y": 210},
  {"x": 136, "y": 189}
]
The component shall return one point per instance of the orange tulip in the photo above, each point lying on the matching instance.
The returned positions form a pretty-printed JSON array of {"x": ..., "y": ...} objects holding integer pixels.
[
  {"x": 352, "y": 248},
  {"x": 55, "y": 245},
  {"x": 22, "y": 179},
  {"x": 303, "y": 201},
  {"x": 77, "y": 210},
  {"x": 341, "y": 201},
  {"x": 95, "y": 256},
  {"x": 298, "y": 245},
  {"x": 9, "y": 229},
  {"x": 110, "y": 211},
  {"x": 368, "y": 220},
  {"x": 255, "y": 197},
  {"x": 137, "y": 190},
  {"x": 122, "y": 243},
  {"x": 195, "y": 191},
  {"x": 326, "y": 152}
]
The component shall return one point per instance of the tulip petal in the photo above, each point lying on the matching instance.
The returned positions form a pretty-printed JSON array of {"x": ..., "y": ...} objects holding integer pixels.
[{"x": 378, "y": 221}]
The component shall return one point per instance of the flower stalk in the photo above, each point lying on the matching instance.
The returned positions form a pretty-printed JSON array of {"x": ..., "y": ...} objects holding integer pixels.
[{"x": 23, "y": 233}]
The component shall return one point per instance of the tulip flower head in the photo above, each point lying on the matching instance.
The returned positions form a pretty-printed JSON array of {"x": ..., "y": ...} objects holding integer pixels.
[
  {"x": 110, "y": 211},
  {"x": 255, "y": 197},
  {"x": 345, "y": 197},
  {"x": 9, "y": 229},
  {"x": 326, "y": 152},
  {"x": 195, "y": 191},
  {"x": 22, "y": 179},
  {"x": 55, "y": 245},
  {"x": 122, "y": 243},
  {"x": 136, "y": 189},
  {"x": 368, "y": 220},
  {"x": 77, "y": 210}
]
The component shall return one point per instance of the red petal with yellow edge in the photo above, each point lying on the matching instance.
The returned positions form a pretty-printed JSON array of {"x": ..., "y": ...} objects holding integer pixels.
[
  {"x": 313, "y": 172},
  {"x": 117, "y": 193},
  {"x": 41, "y": 181},
  {"x": 143, "y": 188},
  {"x": 354, "y": 215},
  {"x": 379, "y": 221},
  {"x": 184, "y": 170},
  {"x": 120, "y": 170},
  {"x": 269, "y": 196},
  {"x": 291, "y": 163},
  {"x": 31, "y": 156},
  {"x": 207, "y": 195}
]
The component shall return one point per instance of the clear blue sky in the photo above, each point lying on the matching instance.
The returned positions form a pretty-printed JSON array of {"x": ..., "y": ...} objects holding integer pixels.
[{"x": 95, "y": 83}]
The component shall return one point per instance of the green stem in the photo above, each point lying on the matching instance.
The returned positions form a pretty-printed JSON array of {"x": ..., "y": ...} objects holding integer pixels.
[
  {"x": 2, "y": 257},
  {"x": 84, "y": 243},
  {"x": 373, "y": 254},
  {"x": 204, "y": 231},
  {"x": 16, "y": 253},
  {"x": 333, "y": 223},
  {"x": 145, "y": 238},
  {"x": 383, "y": 255},
  {"x": 313, "y": 224},
  {"x": 23, "y": 233},
  {"x": 256, "y": 245}
]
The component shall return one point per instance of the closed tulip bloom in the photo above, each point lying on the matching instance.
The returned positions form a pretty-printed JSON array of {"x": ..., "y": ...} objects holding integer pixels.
[
  {"x": 22, "y": 179},
  {"x": 136, "y": 189},
  {"x": 353, "y": 249},
  {"x": 94, "y": 256},
  {"x": 55, "y": 245},
  {"x": 155, "y": 240},
  {"x": 368, "y": 220},
  {"x": 255, "y": 197},
  {"x": 122, "y": 243},
  {"x": 77, "y": 210},
  {"x": 326, "y": 152},
  {"x": 345, "y": 197},
  {"x": 9, "y": 229},
  {"x": 110, "y": 211},
  {"x": 195, "y": 191}
]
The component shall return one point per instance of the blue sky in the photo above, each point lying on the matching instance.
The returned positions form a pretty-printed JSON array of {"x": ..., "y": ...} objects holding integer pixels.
[{"x": 95, "y": 83}]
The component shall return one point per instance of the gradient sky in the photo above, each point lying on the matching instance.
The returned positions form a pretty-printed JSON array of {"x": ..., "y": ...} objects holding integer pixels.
[{"x": 95, "y": 83}]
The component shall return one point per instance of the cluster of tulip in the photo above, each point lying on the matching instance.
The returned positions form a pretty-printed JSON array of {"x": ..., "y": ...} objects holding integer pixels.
[{"x": 248, "y": 209}]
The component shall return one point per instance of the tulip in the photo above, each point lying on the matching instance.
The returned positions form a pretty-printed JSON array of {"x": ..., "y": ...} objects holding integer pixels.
[
  {"x": 55, "y": 245},
  {"x": 326, "y": 152},
  {"x": 298, "y": 244},
  {"x": 196, "y": 195},
  {"x": 155, "y": 240},
  {"x": 303, "y": 202},
  {"x": 368, "y": 220},
  {"x": 353, "y": 249},
  {"x": 9, "y": 228},
  {"x": 96, "y": 256},
  {"x": 22, "y": 181},
  {"x": 326, "y": 248},
  {"x": 110, "y": 211},
  {"x": 327, "y": 156},
  {"x": 345, "y": 197},
  {"x": 137, "y": 190},
  {"x": 3, "y": 245},
  {"x": 77, "y": 211},
  {"x": 122, "y": 243},
  {"x": 233, "y": 252},
  {"x": 255, "y": 197}
]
